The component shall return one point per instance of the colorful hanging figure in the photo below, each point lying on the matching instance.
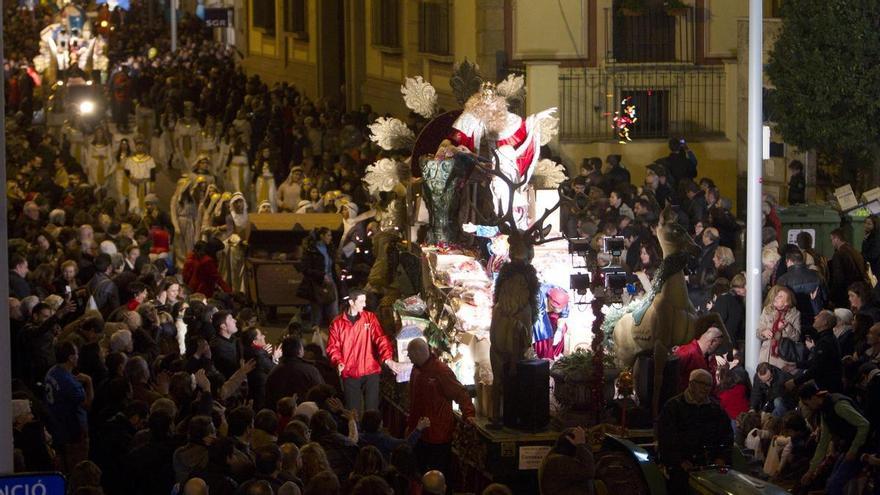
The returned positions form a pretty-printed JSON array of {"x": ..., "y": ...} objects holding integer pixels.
[
  {"x": 550, "y": 328},
  {"x": 624, "y": 119}
]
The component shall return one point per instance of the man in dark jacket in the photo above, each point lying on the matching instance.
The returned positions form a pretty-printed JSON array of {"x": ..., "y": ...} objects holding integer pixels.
[
  {"x": 102, "y": 288},
  {"x": 613, "y": 174},
  {"x": 112, "y": 442},
  {"x": 293, "y": 375},
  {"x": 681, "y": 164},
  {"x": 846, "y": 266},
  {"x": 731, "y": 307},
  {"x": 224, "y": 350},
  {"x": 19, "y": 287},
  {"x": 824, "y": 365},
  {"x": 809, "y": 290},
  {"x": 692, "y": 431},
  {"x": 769, "y": 393}
]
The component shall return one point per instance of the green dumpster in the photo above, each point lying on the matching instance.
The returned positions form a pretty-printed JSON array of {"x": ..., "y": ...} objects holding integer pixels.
[
  {"x": 854, "y": 226},
  {"x": 817, "y": 220}
]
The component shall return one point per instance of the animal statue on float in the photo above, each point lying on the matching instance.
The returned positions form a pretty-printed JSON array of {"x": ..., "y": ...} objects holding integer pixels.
[
  {"x": 665, "y": 318},
  {"x": 515, "y": 307}
]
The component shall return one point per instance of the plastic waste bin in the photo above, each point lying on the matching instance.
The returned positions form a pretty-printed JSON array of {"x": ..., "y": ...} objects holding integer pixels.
[{"x": 817, "y": 220}]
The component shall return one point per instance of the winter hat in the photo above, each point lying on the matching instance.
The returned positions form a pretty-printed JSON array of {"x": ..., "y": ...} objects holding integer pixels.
[{"x": 558, "y": 296}]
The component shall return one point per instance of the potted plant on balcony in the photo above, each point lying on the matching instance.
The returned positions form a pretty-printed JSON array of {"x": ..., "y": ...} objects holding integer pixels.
[
  {"x": 676, "y": 8},
  {"x": 632, "y": 8}
]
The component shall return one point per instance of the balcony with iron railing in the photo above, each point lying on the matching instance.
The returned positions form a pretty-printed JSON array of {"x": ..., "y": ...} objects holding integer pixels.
[{"x": 650, "y": 62}]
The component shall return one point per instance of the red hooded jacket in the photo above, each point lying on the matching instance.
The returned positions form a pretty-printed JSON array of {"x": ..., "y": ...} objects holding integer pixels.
[{"x": 356, "y": 344}]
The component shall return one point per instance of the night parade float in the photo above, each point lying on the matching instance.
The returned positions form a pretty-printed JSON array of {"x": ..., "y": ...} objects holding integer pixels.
[{"x": 543, "y": 328}]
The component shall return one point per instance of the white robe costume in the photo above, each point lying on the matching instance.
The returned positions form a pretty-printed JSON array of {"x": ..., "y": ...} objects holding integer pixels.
[
  {"x": 99, "y": 165},
  {"x": 266, "y": 189},
  {"x": 185, "y": 138},
  {"x": 140, "y": 168}
]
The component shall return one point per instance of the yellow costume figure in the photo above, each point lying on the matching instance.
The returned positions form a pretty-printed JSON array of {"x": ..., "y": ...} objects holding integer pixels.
[{"x": 140, "y": 168}]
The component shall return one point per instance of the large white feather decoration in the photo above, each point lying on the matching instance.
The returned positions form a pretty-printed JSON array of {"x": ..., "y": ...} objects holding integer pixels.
[
  {"x": 419, "y": 96},
  {"x": 549, "y": 125},
  {"x": 513, "y": 86},
  {"x": 548, "y": 174},
  {"x": 391, "y": 134},
  {"x": 382, "y": 176}
]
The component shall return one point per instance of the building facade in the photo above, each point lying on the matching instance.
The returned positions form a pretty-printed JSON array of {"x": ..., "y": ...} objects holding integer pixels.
[{"x": 677, "y": 62}]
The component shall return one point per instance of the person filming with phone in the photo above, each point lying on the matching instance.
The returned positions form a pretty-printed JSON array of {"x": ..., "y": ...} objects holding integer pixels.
[{"x": 568, "y": 467}]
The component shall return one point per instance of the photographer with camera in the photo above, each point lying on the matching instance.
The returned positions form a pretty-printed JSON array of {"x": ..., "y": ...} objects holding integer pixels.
[{"x": 681, "y": 165}]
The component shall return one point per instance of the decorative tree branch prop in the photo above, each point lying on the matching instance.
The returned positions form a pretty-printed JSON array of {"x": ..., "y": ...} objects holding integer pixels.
[{"x": 597, "y": 383}]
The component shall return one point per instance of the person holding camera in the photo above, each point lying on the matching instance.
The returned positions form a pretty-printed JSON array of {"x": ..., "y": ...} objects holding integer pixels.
[{"x": 569, "y": 466}]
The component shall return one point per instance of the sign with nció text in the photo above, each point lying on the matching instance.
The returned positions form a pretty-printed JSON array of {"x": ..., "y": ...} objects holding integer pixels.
[{"x": 33, "y": 484}]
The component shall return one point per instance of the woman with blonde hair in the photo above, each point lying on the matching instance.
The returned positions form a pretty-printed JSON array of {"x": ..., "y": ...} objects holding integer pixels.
[
  {"x": 314, "y": 461},
  {"x": 779, "y": 319}
]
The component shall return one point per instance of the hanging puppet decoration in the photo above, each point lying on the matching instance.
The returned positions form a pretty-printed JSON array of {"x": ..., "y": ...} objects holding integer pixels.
[{"x": 624, "y": 119}]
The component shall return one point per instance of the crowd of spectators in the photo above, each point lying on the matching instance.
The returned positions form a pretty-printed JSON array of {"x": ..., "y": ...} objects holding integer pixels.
[{"x": 126, "y": 356}]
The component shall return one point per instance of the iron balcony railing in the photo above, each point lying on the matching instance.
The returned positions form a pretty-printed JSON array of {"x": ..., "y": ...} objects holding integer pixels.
[{"x": 681, "y": 100}]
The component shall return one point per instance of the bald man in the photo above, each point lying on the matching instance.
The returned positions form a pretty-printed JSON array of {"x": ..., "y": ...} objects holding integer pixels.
[
  {"x": 195, "y": 486},
  {"x": 433, "y": 388},
  {"x": 698, "y": 354},
  {"x": 692, "y": 431},
  {"x": 434, "y": 483}
]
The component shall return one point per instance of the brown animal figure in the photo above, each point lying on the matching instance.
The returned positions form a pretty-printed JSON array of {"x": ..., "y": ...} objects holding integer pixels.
[
  {"x": 670, "y": 319},
  {"x": 515, "y": 301}
]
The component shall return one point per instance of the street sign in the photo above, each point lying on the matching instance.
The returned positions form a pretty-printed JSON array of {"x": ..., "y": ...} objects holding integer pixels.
[
  {"x": 33, "y": 484},
  {"x": 219, "y": 18}
]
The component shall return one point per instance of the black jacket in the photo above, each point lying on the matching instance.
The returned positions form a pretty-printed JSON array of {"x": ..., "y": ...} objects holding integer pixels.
[
  {"x": 763, "y": 395},
  {"x": 732, "y": 310},
  {"x": 19, "y": 287},
  {"x": 225, "y": 355},
  {"x": 697, "y": 433},
  {"x": 846, "y": 266},
  {"x": 824, "y": 364},
  {"x": 803, "y": 281},
  {"x": 257, "y": 378},
  {"x": 108, "y": 449},
  {"x": 293, "y": 375},
  {"x": 871, "y": 250}
]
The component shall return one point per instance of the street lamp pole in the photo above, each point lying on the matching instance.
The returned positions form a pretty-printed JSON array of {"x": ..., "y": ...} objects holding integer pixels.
[
  {"x": 6, "y": 463},
  {"x": 754, "y": 182}
]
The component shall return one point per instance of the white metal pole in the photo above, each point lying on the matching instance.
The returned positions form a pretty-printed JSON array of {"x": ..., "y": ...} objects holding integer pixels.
[
  {"x": 755, "y": 171},
  {"x": 6, "y": 462},
  {"x": 174, "y": 25}
]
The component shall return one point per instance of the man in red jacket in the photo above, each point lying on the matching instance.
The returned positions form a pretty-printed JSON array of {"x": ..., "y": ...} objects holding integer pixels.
[
  {"x": 432, "y": 388},
  {"x": 698, "y": 354},
  {"x": 356, "y": 338}
]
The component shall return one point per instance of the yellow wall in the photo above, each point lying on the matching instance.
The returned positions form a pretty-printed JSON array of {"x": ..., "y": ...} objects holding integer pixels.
[{"x": 540, "y": 29}]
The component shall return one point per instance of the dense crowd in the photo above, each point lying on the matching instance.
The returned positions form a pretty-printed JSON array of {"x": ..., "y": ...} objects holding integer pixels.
[{"x": 132, "y": 343}]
